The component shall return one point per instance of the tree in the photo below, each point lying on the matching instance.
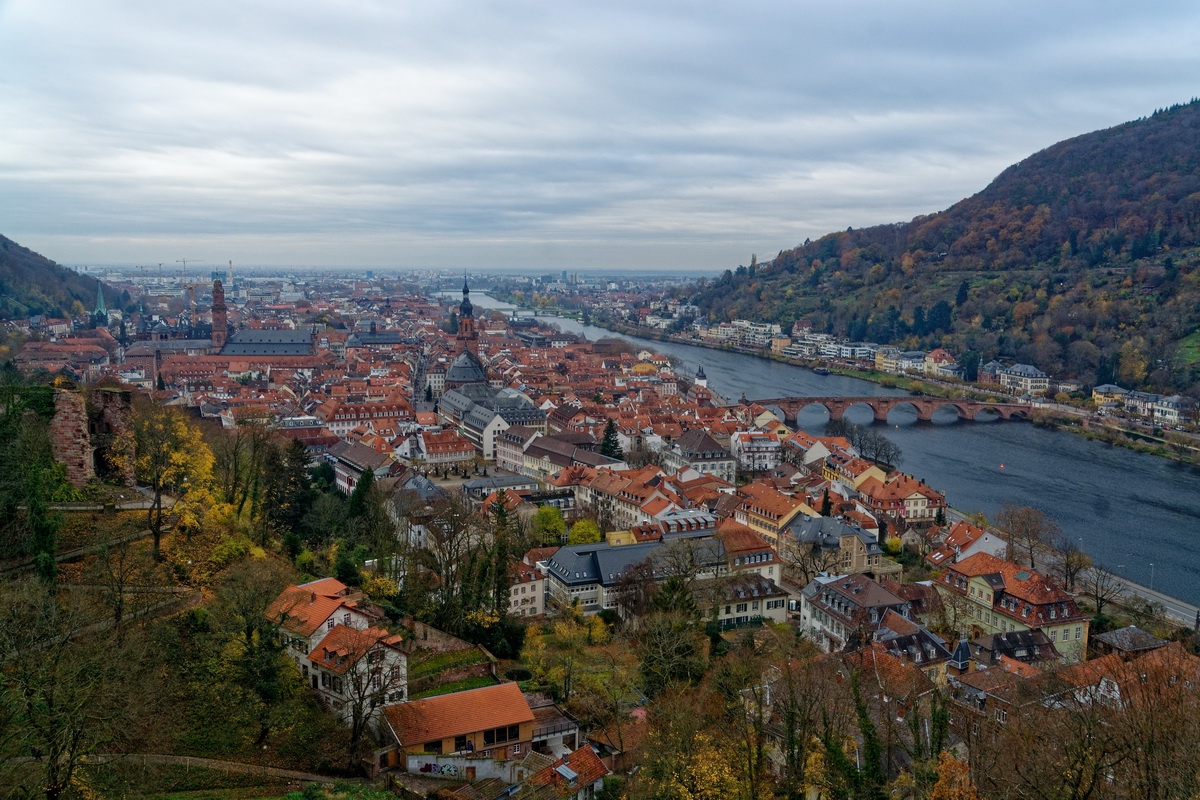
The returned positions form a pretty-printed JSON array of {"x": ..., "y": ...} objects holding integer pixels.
[
  {"x": 610, "y": 446},
  {"x": 953, "y": 780},
  {"x": 357, "y": 505},
  {"x": 548, "y": 525},
  {"x": 670, "y": 650},
  {"x": 1103, "y": 586},
  {"x": 288, "y": 493},
  {"x": 118, "y": 569},
  {"x": 1072, "y": 561},
  {"x": 584, "y": 531},
  {"x": 377, "y": 671},
  {"x": 66, "y": 692},
  {"x": 259, "y": 665},
  {"x": 169, "y": 456},
  {"x": 1027, "y": 530},
  {"x": 963, "y": 293}
]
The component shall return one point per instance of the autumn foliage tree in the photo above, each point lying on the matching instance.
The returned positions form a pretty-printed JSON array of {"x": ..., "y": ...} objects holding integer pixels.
[{"x": 169, "y": 456}]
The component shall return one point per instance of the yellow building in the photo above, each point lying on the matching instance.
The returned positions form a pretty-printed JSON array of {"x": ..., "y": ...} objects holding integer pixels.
[{"x": 1002, "y": 596}]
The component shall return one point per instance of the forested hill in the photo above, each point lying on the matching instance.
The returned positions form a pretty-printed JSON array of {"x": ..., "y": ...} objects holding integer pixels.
[
  {"x": 33, "y": 284},
  {"x": 1081, "y": 259}
]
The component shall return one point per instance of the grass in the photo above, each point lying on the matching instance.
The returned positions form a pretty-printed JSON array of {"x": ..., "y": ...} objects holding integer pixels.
[
  {"x": 1189, "y": 349},
  {"x": 446, "y": 661},
  {"x": 476, "y": 682}
]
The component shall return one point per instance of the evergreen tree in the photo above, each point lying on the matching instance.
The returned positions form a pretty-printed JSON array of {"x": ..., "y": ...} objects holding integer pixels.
[
  {"x": 359, "y": 498},
  {"x": 611, "y": 446}
]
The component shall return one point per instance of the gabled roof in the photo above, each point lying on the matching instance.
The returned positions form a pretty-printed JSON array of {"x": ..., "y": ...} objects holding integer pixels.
[
  {"x": 303, "y": 609},
  {"x": 343, "y": 646},
  {"x": 574, "y": 771},
  {"x": 456, "y": 714}
]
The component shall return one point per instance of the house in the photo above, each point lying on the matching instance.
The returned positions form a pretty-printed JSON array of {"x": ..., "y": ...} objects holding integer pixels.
[
  {"x": 756, "y": 451},
  {"x": 964, "y": 540},
  {"x": 576, "y": 776},
  {"x": 1145, "y": 679},
  {"x": 740, "y": 599},
  {"x": 306, "y": 613},
  {"x": 358, "y": 671},
  {"x": 908, "y": 641},
  {"x": 902, "y": 499},
  {"x": 767, "y": 511},
  {"x": 527, "y": 595},
  {"x": 998, "y": 596},
  {"x": 839, "y": 611},
  {"x": 352, "y": 459},
  {"x": 1024, "y": 379},
  {"x": 817, "y": 544},
  {"x": 695, "y": 448},
  {"x": 462, "y": 734},
  {"x": 1127, "y": 642}
]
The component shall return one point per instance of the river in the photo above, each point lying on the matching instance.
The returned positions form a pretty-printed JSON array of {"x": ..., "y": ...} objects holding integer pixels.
[{"x": 1137, "y": 514}]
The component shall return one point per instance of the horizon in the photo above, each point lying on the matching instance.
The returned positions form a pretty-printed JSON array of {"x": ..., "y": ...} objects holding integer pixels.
[{"x": 654, "y": 137}]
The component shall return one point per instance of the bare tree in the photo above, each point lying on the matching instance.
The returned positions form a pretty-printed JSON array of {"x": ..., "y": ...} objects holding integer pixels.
[
  {"x": 803, "y": 561},
  {"x": 1072, "y": 561},
  {"x": 118, "y": 569},
  {"x": 65, "y": 693},
  {"x": 1027, "y": 529},
  {"x": 1103, "y": 586}
]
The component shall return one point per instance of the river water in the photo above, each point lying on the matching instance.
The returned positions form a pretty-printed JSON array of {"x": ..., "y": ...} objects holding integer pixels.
[{"x": 1134, "y": 513}]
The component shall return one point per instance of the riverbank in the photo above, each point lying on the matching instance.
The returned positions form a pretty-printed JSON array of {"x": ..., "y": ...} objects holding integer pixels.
[{"x": 1056, "y": 417}]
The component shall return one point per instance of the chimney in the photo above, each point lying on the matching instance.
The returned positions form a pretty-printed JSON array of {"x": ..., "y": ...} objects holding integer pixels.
[{"x": 313, "y": 597}]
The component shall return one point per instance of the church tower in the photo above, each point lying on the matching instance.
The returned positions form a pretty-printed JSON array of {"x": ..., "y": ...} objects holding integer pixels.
[
  {"x": 220, "y": 318},
  {"x": 468, "y": 337}
]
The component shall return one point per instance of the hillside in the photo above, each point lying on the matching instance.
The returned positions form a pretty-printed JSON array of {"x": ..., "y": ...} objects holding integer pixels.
[
  {"x": 33, "y": 284},
  {"x": 1081, "y": 259}
]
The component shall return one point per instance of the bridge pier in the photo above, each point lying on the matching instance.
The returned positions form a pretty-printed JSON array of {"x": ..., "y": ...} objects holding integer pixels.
[{"x": 879, "y": 412}]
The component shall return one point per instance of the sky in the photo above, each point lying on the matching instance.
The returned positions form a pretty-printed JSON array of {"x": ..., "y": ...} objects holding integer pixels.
[{"x": 541, "y": 135}]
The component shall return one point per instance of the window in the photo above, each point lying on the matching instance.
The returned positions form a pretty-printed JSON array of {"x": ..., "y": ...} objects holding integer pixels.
[
  {"x": 1054, "y": 636},
  {"x": 1078, "y": 631},
  {"x": 329, "y": 625},
  {"x": 460, "y": 743},
  {"x": 1001, "y": 716},
  {"x": 516, "y": 748}
]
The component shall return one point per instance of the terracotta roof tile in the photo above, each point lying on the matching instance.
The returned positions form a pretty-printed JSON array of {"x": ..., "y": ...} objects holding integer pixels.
[{"x": 456, "y": 714}]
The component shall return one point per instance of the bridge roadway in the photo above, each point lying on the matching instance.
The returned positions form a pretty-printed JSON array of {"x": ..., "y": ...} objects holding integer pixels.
[{"x": 882, "y": 406}]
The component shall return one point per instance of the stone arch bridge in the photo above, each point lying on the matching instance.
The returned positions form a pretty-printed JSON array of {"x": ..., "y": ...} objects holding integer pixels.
[{"x": 882, "y": 406}]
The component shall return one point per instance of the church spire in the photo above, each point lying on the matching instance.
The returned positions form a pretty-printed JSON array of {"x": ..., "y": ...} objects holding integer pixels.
[{"x": 101, "y": 308}]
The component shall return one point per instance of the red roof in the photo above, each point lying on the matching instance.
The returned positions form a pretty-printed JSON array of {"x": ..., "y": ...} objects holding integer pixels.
[
  {"x": 456, "y": 714},
  {"x": 343, "y": 646},
  {"x": 583, "y": 762}
]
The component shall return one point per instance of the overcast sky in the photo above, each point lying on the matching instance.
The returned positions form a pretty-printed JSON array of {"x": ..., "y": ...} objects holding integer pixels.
[{"x": 545, "y": 135}]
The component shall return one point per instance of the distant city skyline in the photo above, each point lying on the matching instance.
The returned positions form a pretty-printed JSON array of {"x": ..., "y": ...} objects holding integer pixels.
[{"x": 542, "y": 136}]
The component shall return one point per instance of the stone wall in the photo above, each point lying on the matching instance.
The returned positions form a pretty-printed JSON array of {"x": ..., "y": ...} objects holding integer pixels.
[
  {"x": 69, "y": 439},
  {"x": 110, "y": 414},
  {"x": 86, "y": 433}
]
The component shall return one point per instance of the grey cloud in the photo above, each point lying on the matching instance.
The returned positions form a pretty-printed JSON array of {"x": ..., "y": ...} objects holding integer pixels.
[{"x": 540, "y": 131}]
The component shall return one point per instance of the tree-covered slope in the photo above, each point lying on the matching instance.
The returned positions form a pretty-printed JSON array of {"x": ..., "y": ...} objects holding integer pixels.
[
  {"x": 33, "y": 284},
  {"x": 1081, "y": 259}
]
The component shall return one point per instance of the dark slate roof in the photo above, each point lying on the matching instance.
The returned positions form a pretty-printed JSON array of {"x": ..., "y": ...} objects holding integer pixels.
[
  {"x": 1130, "y": 639},
  {"x": 586, "y": 564},
  {"x": 466, "y": 368},
  {"x": 827, "y": 532},
  {"x": 696, "y": 444},
  {"x": 269, "y": 343}
]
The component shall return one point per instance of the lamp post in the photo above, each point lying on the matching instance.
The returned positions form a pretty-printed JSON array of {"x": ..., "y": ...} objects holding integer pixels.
[{"x": 1152, "y": 576}]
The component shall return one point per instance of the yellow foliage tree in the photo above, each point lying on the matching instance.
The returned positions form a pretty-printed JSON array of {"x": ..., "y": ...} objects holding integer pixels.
[{"x": 170, "y": 456}]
